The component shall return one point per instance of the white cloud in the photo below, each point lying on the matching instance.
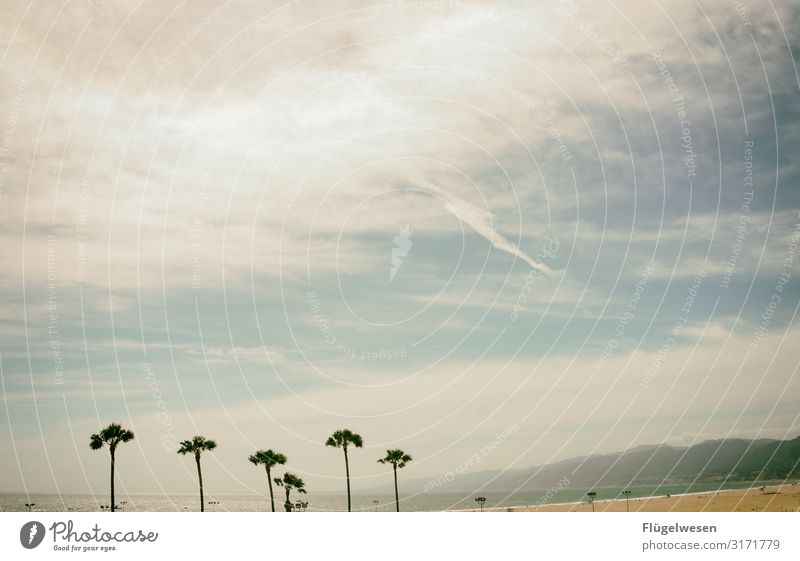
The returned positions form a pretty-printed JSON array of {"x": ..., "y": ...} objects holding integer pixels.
[{"x": 279, "y": 141}]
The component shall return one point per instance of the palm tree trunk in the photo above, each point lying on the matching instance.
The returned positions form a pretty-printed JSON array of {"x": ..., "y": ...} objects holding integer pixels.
[
  {"x": 347, "y": 472},
  {"x": 113, "y": 505},
  {"x": 288, "y": 504},
  {"x": 271, "y": 496},
  {"x": 200, "y": 479},
  {"x": 396, "y": 494}
]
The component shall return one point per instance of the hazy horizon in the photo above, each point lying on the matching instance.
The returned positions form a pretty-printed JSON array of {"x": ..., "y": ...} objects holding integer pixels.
[{"x": 490, "y": 235}]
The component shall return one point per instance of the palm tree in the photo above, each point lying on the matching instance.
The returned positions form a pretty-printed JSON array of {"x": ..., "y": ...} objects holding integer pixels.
[
  {"x": 196, "y": 446},
  {"x": 290, "y": 481},
  {"x": 398, "y": 459},
  {"x": 269, "y": 459},
  {"x": 112, "y": 435},
  {"x": 342, "y": 439}
]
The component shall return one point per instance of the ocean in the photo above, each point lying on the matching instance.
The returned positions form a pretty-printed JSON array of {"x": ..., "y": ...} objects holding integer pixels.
[{"x": 337, "y": 502}]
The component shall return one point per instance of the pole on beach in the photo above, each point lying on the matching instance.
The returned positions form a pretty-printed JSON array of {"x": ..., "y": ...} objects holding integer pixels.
[
  {"x": 627, "y": 494},
  {"x": 591, "y": 495},
  {"x": 480, "y": 501}
]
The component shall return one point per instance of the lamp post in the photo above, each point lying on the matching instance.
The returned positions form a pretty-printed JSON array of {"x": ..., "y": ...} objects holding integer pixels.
[
  {"x": 376, "y": 502},
  {"x": 212, "y": 503},
  {"x": 591, "y": 495},
  {"x": 480, "y": 501},
  {"x": 30, "y": 506},
  {"x": 627, "y": 494}
]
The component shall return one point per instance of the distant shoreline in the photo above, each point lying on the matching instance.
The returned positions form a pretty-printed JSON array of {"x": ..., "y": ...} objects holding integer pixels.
[
  {"x": 788, "y": 489},
  {"x": 616, "y": 489}
]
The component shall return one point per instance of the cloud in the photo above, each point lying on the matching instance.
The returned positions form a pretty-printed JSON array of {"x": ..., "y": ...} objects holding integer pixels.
[
  {"x": 230, "y": 355},
  {"x": 563, "y": 405},
  {"x": 264, "y": 151}
]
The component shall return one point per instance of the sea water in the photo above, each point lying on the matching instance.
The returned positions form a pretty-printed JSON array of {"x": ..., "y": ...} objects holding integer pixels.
[{"x": 335, "y": 502}]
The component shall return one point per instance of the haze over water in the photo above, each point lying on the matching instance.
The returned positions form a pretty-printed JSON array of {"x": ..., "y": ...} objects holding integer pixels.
[{"x": 334, "y": 502}]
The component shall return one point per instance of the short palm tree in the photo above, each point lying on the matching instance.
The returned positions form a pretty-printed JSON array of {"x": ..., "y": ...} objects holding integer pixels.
[
  {"x": 112, "y": 435},
  {"x": 290, "y": 481},
  {"x": 342, "y": 439},
  {"x": 269, "y": 459},
  {"x": 197, "y": 446},
  {"x": 398, "y": 459}
]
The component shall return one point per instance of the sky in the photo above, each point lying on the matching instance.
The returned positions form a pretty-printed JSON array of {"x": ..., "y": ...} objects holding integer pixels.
[{"x": 512, "y": 232}]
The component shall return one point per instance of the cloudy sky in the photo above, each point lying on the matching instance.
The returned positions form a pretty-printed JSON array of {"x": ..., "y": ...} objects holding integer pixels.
[{"x": 426, "y": 221}]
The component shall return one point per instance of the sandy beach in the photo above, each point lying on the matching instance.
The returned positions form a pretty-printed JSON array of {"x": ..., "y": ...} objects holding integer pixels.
[{"x": 778, "y": 498}]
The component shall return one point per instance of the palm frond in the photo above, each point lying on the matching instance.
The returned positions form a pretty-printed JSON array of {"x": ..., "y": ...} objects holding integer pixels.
[
  {"x": 196, "y": 445},
  {"x": 292, "y": 481},
  {"x": 111, "y": 432},
  {"x": 343, "y": 438},
  {"x": 273, "y": 458},
  {"x": 112, "y": 435},
  {"x": 396, "y": 457}
]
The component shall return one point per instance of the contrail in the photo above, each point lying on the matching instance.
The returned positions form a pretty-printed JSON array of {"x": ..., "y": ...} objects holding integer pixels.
[{"x": 479, "y": 220}]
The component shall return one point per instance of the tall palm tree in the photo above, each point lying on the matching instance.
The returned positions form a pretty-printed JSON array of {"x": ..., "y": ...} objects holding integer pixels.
[
  {"x": 342, "y": 439},
  {"x": 398, "y": 459},
  {"x": 269, "y": 459},
  {"x": 196, "y": 446},
  {"x": 112, "y": 435},
  {"x": 288, "y": 482}
]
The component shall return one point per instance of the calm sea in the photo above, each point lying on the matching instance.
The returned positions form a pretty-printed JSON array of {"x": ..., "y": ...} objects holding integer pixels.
[{"x": 331, "y": 502}]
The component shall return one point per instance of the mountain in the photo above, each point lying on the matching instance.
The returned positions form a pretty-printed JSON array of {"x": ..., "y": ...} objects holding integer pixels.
[{"x": 709, "y": 461}]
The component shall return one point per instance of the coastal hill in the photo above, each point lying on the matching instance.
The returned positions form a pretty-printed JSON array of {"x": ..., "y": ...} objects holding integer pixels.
[{"x": 707, "y": 462}]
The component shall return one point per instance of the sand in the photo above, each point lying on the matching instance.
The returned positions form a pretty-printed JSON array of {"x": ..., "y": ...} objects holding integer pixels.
[{"x": 779, "y": 498}]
